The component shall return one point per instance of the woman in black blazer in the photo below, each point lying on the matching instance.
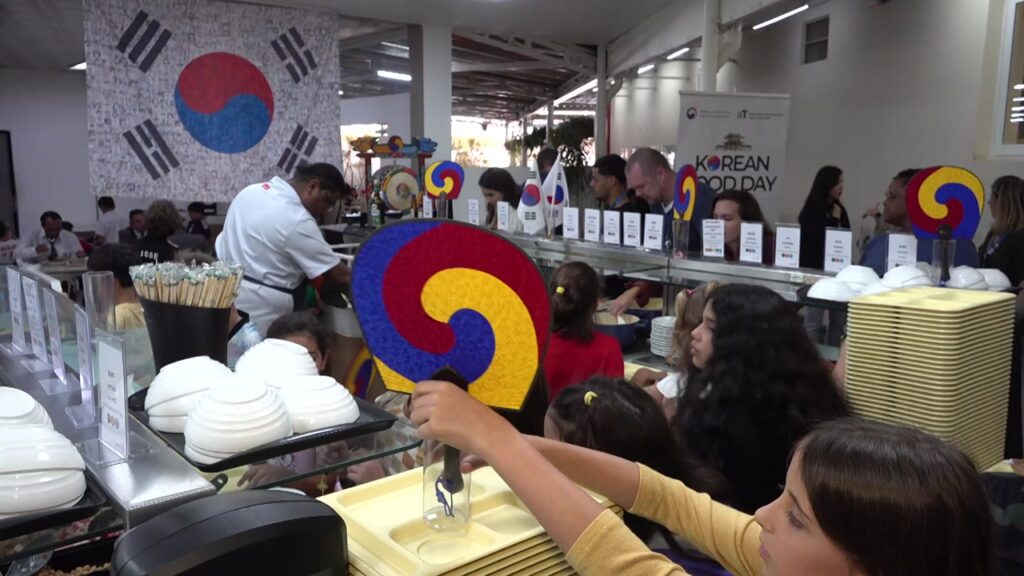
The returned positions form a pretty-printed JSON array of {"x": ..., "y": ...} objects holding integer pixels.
[
  {"x": 1003, "y": 248},
  {"x": 821, "y": 210}
]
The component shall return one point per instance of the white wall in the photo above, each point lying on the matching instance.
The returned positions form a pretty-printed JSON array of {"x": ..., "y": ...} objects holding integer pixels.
[
  {"x": 901, "y": 88},
  {"x": 392, "y": 110},
  {"x": 46, "y": 114}
]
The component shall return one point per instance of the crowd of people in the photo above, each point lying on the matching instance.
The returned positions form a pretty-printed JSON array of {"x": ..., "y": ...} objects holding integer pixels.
[{"x": 745, "y": 457}]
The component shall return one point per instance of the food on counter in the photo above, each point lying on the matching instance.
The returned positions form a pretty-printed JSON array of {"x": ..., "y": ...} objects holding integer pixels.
[
  {"x": 315, "y": 402},
  {"x": 235, "y": 416},
  {"x": 17, "y": 408},
  {"x": 40, "y": 470},
  {"x": 276, "y": 362},
  {"x": 177, "y": 389}
]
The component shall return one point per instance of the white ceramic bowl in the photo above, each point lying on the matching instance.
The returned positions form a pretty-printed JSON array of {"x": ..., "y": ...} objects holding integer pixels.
[
  {"x": 876, "y": 288},
  {"x": 966, "y": 278},
  {"x": 924, "y": 267},
  {"x": 315, "y": 402},
  {"x": 177, "y": 389},
  {"x": 17, "y": 408},
  {"x": 276, "y": 362},
  {"x": 40, "y": 470},
  {"x": 236, "y": 416},
  {"x": 906, "y": 276},
  {"x": 606, "y": 319},
  {"x": 857, "y": 277},
  {"x": 996, "y": 280},
  {"x": 831, "y": 289}
]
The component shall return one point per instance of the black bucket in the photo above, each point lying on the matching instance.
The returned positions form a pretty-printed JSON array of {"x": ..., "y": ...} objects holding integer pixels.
[{"x": 178, "y": 332}]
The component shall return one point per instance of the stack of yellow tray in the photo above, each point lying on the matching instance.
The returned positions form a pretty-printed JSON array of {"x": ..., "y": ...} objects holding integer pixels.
[
  {"x": 387, "y": 536},
  {"x": 937, "y": 359}
]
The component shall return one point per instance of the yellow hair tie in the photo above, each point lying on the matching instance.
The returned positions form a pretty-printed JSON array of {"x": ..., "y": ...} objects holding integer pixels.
[
  {"x": 589, "y": 397},
  {"x": 560, "y": 290}
]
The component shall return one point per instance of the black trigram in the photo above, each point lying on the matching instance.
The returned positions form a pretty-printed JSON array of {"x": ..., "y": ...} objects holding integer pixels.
[
  {"x": 151, "y": 149},
  {"x": 287, "y": 46},
  {"x": 144, "y": 41},
  {"x": 300, "y": 148}
]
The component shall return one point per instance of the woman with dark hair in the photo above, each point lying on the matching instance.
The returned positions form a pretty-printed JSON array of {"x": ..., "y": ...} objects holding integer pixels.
[
  {"x": 498, "y": 185},
  {"x": 762, "y": 386},
  {"x": 576, "y": 351},
  {"x": 734, "y": 207},
  {"x": 1003, "y": 247},
  {"x": 822, "y": 209},
  {"x": 861, "y": 498}
]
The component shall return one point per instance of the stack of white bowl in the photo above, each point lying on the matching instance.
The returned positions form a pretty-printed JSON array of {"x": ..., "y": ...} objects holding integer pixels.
[
  {"x": 276, "y": 362},
  {"x": 19, "y": 409},
  {"x": 662, "y": 335},
  {"x": 178, "y": 388},
  {"x": 315, "y": 402},
  {"x": 848, "y": 284},
  {"x": 967, "y": 278},
  {"x": 233, "y": 417},
  {"x": 996, "y": 280},
  {"x": 40, "y": 470}
]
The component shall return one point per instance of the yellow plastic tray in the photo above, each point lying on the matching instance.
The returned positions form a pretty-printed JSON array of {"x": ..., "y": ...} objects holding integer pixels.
[
  {"x": 926, "y": 298},
  {"x": 903, "y": 381},
  {"x": 387, "y": 535}
]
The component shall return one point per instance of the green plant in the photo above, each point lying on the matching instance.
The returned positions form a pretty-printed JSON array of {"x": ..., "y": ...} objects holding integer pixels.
[{"x": 572, "y": 139}]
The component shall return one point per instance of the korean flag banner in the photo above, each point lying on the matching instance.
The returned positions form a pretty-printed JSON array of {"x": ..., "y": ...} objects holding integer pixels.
[{"x": 196, "y": 99}]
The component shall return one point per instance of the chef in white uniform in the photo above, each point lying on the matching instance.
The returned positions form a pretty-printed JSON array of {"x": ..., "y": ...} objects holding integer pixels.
[{"x": 271, "y": 229}]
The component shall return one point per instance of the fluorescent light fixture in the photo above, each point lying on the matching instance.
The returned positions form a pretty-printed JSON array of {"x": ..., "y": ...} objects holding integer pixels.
[
  {"x": 1017, "y": 109},
  {"x": 393, "y": 45},
  {"x": 1015, "y": 86},
  {"x": 677, "y": 53},
  {"x": 79, "y": 66},
  {"x": 574, "y": 112},
  {"x": 645, "y": 68},
  {"x": 781, "y": 17},
  {"x": 575, "y": 92},
  {"x": 1016, "y": 120},
  {"x": 1019, "y": 99},
  {"x": 394, "y": 75},
  {"x": 341, "y": 92},
  {"x": 595, "y": 89}
]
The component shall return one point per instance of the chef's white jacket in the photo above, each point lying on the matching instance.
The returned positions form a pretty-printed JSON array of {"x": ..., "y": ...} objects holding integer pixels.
[
  {"x": 270, "y": 232},
  {"x": 67, "y": 245},
  {"x": 108, "y": 225}
]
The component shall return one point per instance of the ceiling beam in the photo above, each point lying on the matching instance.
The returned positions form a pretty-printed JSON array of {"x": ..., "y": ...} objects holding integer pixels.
[
  {"x": 524, "y": 47},
  {"x": 498, "y": 66},
  {"x": 372, "y": 39}
]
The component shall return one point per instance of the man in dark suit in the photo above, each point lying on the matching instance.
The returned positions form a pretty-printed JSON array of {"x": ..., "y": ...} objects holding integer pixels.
[{"x": 136, "y": 230}]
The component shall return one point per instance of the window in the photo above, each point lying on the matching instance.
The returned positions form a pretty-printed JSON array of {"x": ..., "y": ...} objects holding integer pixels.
[
  {"x": 1008, "y": 121},
  {"x": 816, "y": 40}
]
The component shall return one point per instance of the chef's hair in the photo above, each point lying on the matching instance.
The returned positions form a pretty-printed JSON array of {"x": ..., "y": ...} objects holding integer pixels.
[
  {"x": 649, "y": 160},
  {"x": 105, "y": 203},
  {"x": 328, "y": 176}
]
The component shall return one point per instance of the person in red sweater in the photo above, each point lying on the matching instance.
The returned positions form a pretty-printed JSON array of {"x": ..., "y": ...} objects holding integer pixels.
[{"x": 576, "y": 351}]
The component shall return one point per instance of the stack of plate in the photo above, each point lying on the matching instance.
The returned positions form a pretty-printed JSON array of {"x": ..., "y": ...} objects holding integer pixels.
[
  {"x": 662, "y": 332},
  {"x": 937, "y": 359},
  {"x": 387, "y": 536}
]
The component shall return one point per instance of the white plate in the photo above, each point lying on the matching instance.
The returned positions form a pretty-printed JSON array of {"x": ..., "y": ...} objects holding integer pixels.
[{"x": 17, "y": 408}]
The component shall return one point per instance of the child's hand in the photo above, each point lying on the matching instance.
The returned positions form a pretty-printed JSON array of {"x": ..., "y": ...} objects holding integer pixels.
[
  {"x": 263, "y": 474},
  {"x": 645, "y": 377},
  {"x": 366, "y": 472},
  {"x": 444, "y": 412}
]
